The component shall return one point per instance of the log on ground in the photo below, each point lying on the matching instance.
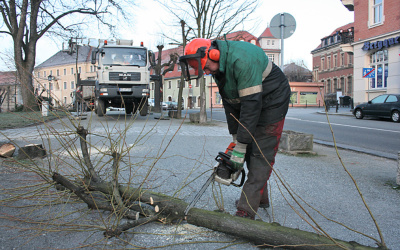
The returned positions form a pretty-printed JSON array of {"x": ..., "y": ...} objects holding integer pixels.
[{"x": 257, "y": 232}]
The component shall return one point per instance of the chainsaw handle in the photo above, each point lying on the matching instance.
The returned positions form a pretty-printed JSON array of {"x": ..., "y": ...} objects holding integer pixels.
[{"x": 224, "y": 157}]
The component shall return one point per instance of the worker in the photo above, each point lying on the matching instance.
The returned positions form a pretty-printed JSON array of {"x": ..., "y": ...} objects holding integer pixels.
[{"x": 255, "y": 95}]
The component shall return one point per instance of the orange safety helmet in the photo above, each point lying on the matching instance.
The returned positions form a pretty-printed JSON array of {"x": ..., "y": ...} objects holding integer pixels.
[
  {"x": 195, "y": 55},
  {"x": 193, "y": 47}
]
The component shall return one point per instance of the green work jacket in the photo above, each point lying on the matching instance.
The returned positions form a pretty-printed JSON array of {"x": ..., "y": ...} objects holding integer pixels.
[{"x": 248, "y": 96}]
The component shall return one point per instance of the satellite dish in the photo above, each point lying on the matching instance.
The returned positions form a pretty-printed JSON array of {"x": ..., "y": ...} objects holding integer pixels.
[{"x": 282, "y": 24}]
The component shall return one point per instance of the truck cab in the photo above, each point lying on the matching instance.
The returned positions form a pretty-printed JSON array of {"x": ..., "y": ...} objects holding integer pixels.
[{"x": 123, "y": 76}]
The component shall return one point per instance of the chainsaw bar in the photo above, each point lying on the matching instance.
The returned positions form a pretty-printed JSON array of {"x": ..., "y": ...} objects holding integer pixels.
[{"x": 201, "y": 192}]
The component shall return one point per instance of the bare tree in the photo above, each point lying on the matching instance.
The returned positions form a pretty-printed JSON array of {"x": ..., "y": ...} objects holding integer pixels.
[
  {"x": 297, "y": 72},
  {"x": 3, "y": 95},
  {"x": 208, "y": 19},
  {"x": 27, "y": 21}
]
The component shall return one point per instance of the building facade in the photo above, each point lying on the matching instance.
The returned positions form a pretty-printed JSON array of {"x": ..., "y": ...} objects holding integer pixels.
[
  {"x": 191, "y": 91},
  {"x": 271, "y": 46},
  {"x": 333, "y": 62},
  {"x": 57, "y": 76},
  {"x": 376, "y": 47}
]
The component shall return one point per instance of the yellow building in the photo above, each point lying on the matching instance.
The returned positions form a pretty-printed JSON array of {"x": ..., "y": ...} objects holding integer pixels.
[{"x": 57, "y": 76}]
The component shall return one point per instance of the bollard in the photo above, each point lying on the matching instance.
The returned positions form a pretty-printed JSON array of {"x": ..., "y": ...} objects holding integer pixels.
[{"x": 398, "y": 169}]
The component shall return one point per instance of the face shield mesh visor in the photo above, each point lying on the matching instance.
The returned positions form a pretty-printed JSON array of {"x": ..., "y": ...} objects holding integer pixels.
[{"x": 192, "y": 61}]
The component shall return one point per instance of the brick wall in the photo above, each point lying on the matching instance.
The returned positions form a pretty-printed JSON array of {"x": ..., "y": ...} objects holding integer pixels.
[{"x": 391, "y": 11}]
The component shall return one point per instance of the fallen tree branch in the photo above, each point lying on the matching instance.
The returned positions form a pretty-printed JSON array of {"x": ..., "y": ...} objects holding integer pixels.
[
  {"x": 257, "y": 232},
  {"x": 91, "y": 200},
  {"x": 82, "y": 132}
]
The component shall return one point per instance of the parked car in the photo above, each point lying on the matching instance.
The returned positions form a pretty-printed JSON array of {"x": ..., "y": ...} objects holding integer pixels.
[
  {"x": 164, "y": 105},
  {"x": 383, "y": 106},
  {"x": 172, "y": 106}
]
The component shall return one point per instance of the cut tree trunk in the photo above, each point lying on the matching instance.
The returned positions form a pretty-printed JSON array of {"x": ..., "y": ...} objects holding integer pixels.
[{"x": 257, "y": 232}]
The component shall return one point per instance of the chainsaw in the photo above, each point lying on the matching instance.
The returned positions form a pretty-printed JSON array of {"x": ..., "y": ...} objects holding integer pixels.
[{"x": 222, "y": 173}]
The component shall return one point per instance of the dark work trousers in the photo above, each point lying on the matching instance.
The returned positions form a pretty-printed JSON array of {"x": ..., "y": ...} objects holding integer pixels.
[{"x": 255, "y": 190}]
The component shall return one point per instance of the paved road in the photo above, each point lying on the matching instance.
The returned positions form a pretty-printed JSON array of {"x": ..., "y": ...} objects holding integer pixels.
[
  {"x": 176, "y": 158},
  {"x": 373, "y": 136}
]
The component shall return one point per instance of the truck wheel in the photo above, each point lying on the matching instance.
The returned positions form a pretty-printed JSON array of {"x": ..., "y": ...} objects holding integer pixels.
[
  {"x": 128, "y": 108},
  {"x": 144, "y": 108},
  {"x": 100, "y": 107}
]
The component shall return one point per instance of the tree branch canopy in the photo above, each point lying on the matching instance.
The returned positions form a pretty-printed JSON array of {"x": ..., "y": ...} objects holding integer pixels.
[{"x": 26, "y": 21}]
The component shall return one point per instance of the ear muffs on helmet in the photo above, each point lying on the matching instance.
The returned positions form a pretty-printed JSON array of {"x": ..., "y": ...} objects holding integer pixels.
[{"x": 214, "y": 54}]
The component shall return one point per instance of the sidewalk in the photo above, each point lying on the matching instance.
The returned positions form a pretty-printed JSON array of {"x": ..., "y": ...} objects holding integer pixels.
[{"x": 319, "y": 180}]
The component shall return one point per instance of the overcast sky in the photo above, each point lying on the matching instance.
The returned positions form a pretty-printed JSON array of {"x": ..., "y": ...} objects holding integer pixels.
[{"x": 315, "y": 19}]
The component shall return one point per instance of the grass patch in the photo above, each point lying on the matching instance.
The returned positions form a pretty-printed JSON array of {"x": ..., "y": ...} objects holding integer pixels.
[{"x": 24, "y": 119}]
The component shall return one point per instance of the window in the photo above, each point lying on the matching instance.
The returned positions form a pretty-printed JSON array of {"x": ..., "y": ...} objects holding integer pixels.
[
  {"x": 44, "y": 73},
  {"x": 271, "y": 57},
  {"x": 50, "y": 86},
  {"x": 38, "y": 74},
  {"x": 378, "y": 12},
  {"x": 79, "y": 70},
  {"x": 293, "y": 97},
  {"x": 350, "y": 59},
  {"x": 72, "y": 85},
  {"x": 391, "y": 98},
  {"x": 197, "y": 83},
  {"x": 342, "y": 83},
  {"x": 335, "y": 85},
  {"x": 349, "y": 86},
  {"x": 329, "y": 63},
  {"x": 379, "y": 61},
  {"x": 328, "y": 86},
  {"x": 178, "y": 83},
  {"x": 322, "y": 63},
  {"x": 335, "y": 61},
  {"x": 65, "y": 100},
  {"x": 65, "y": 71},
  {"x": 58, "y": 72},
  {"x": 375, "y": 15},
  {"x": 268, "y": 41},
  {"x": 65, "y": 85},
  {"x": 379, "y": 99},
  {"x": 342, "y": 59},
  {"x": 169, "y": 84},
  {"x": 72, "y": 71},
  {"x": 308, "y": 97},
  {"x": 273, "y": 42}
]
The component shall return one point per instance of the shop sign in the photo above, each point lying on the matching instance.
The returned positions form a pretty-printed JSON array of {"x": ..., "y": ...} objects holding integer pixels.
[{"x": 381, "y": 44}]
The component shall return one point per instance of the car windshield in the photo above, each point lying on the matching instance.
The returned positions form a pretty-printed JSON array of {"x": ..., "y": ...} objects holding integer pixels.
[{"x": 124, "y": 56}]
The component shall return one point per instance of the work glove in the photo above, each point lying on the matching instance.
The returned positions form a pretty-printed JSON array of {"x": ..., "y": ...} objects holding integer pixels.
[
  {"x": 231, "y": 146},
  {"x": 237, "y": 157}
]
